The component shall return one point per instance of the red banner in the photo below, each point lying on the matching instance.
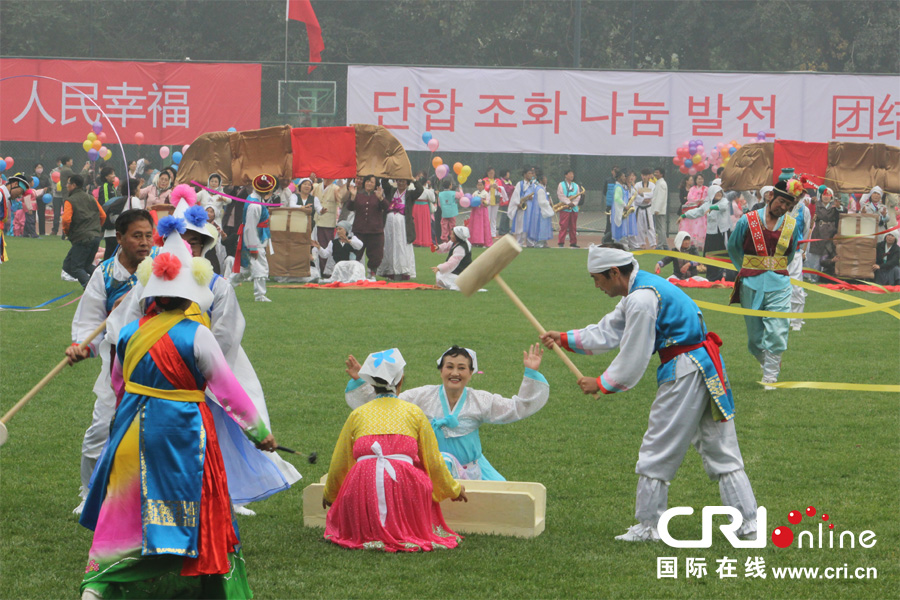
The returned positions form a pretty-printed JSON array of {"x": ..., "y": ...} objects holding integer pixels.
[{"x": 170, "y": 103}]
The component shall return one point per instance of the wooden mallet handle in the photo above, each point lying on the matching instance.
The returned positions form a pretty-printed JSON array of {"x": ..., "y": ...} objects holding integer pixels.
[
  {"x": 559, "y": 351},
  {"x": 62, "y": 365}
]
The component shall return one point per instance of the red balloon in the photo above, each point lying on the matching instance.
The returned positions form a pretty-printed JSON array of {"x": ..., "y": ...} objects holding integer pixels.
[
  {"x": 683, "y": 170},
  {"x": 677, "y": 161},
  {"x": 683, "y": 152},
  {"x": 139, "y": 138},
  {"x": 9, "y": 162},
  {"x": 55, "y": 176}
]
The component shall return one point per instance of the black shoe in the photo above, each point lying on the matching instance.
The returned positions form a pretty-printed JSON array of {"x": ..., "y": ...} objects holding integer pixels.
[{"x": 574, "y": 246}]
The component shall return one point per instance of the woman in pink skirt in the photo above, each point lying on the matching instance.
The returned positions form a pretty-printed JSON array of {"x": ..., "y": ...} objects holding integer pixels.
[
  {"x": 480, "y": 221},
  {"x": 695, "y": 227},
  {"x": 387, "y": 475},
  {"x": 422, "y": 214}
]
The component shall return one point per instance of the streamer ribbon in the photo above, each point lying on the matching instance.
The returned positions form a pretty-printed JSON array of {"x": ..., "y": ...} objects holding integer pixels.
[
  {"x": 39, "y": 306},
  {"x": 244, "y": 200},
  {"x": 825, "y": 385},
  {"x": 885, "y": 307}
]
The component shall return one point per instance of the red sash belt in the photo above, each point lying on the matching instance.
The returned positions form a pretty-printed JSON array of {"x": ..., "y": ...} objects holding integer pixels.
[
  {"x": 711, "y": 343},
  {"x": 237, "y": 253}
]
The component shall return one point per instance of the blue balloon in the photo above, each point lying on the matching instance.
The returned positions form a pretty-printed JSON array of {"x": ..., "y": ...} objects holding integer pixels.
[
  {"x": 475, "y": 201},
  {"x": 688, "y": 163},
  {"x": 47, "y": 198},
  {"x": 732, "y": 150},
  {"x": 232, "y": 129},
  {"x": 426, "y": 137},
  {"x": 2, "y": 165},
  {"x": 174, "y": 167},
  {"x": 35, "y": 181},
  {"x": 176, "y": 158}
]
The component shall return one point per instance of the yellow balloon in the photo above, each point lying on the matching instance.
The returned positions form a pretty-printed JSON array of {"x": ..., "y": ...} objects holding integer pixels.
[
  {"x": 92, "y": 136},
  {"x": 86, "y": 145},
  {"x": 462, "y": 178},
  {"x": 108, "y": 155},
  {"x": 466, "y": 171}
]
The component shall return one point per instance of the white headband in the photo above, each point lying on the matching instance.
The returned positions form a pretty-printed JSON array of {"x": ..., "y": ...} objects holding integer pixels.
[{"x": 602, "y": 259}]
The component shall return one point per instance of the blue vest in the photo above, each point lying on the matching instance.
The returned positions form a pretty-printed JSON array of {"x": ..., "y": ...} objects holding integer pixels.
[
  {"x": 115, "y": 289},
  {"x": 680, "y": 323}
]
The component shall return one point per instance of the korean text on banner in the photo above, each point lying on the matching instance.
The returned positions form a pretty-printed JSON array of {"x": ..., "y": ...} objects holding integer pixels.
[
  {"x": 170, "y": 103},
  {"x": 617, "y": 113}
]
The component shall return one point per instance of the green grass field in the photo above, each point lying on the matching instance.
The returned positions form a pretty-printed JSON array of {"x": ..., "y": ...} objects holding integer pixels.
[{"x": 837, "y": 451}]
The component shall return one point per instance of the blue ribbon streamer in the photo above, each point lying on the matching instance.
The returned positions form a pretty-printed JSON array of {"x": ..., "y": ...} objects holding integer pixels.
[{"x": 41, "y": 305}]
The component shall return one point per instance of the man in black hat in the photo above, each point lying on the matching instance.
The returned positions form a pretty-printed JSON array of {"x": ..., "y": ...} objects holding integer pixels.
[{"x": 762, "y": 246}]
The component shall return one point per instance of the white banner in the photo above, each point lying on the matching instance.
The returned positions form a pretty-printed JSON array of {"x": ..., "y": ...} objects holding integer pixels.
[{"x": 618, "y": 113}]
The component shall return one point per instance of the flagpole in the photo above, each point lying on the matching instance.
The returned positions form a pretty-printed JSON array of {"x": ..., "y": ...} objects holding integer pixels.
[{"x": 286, "y": 19}]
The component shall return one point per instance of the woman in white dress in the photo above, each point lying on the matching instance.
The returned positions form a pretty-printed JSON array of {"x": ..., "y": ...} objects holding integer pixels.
[{"x": 339, "y": 257}]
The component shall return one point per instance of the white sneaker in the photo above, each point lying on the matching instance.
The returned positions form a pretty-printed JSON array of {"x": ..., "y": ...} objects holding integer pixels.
[
  {"x": 240, "y": 509},
  {"x": 262, "y": 299},
  {"x": 66, "y": 277},
  {"x": 80, "y": 508},
  {"x": 639, "y": 533},
  {"x": 795, "y": 327},
  {"x": 766, "y": 380}
]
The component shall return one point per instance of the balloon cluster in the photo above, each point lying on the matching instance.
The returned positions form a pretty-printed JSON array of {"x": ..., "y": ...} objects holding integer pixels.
[
  {"x": 440, "y": 169},
  {"x": 6, "y": 163},
  {"x": 690, "y": 158},
  {"x": 93, "y": 143}
]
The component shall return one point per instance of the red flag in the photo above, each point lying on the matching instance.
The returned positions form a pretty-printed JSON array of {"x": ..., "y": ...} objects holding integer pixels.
[
  {"x": 302, "y": 10},
  {"x": 810, "y": 158},
  {"x": 329, "y": 152}
]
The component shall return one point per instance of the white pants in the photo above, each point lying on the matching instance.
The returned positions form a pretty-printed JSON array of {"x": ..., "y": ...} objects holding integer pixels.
[
  {"x": 104, "y": 409},
  {"x": 446, "y": 281},
  {"x": 798, "y": 294},
  {"x": 494, "y": 214},
  {"x": 680, "y": 417},
  {"x": 259, "y": 272}
]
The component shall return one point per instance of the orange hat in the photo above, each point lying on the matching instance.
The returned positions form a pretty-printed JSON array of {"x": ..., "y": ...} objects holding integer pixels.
[{"x": 264, "y": 183}]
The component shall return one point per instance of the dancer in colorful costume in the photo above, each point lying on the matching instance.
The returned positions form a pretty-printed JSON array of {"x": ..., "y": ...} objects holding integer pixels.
[
  {"x": 456, "y": 411},
  {"x": 108, "y": 285},
  {"x": 252, "y": 475},
  {"x": 254, "y": 237},
  {"x": 387, "y": 476},
  {"x": 15, "y": 187},
  {"x": 762, "y": 246},
  {"x": 159, "y": 508},
  {"x": 693, "y": 404}
]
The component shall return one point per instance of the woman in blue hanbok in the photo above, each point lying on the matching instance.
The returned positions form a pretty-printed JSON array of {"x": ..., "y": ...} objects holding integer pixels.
[{"x": 457, "y": 411}]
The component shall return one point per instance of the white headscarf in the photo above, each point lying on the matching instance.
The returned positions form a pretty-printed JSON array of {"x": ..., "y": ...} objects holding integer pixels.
[
  {"x": 679, "y": 239},
  {"x": 472, "y": 354},
  {"x": 868, "y": 197},
  {"x": 386, "y": 365},
  {"x": 711, "y": 193},
  {"x": 602, "y": 259},
  {"x": 462, "y": 234},
  {"x": 765, "y": 190}
]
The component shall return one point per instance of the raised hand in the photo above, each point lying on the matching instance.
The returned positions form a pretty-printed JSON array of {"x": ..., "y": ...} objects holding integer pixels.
[
  {"x": 532, "y": 357},
  {"x": 353, "y": 367}
]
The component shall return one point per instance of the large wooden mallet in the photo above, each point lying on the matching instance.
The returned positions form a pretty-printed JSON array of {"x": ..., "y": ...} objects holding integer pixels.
[
  {"x": 4, "y": 434},
  {"x": 487, "y": 267}
]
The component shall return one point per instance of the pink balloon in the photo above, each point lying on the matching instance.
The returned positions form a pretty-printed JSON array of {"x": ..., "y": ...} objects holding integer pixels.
[
  {"x": 700, "y": 149},
  {"x": 103, "y": 150},
  {"x": 292, "y": 187},
  {"x": 441, "y": 171},
  {"x": 692, "y": 171},
  {"x": 464, "y": 202},
  {"x": 433, "y": 145},
  {"x": 102, "y": 136},
  {"x": 459, "y": 195},
  {"x": 184, "y": 148},
  {"x": 164, "y": 152}
]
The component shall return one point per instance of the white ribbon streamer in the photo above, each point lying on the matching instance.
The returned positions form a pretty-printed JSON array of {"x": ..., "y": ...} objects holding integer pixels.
[{"x": 382, "y": 464}]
